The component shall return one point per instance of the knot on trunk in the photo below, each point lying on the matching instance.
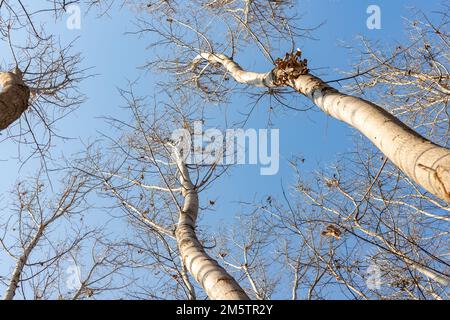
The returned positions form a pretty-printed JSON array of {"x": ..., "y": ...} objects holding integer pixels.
[{"x": 289, "y": 68}]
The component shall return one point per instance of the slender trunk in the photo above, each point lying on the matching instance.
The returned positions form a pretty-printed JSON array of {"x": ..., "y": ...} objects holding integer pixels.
[
  {"x": 191, "y": 290},
  {"x": 14, "y": 97},
  {"x": 214, "y": 279},
  {"x": 20, "y": 264},
  {"x": 421, "y": 160}
]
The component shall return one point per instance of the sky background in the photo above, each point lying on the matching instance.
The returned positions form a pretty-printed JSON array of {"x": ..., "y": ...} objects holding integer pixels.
[{"x": 115, "y": 58}]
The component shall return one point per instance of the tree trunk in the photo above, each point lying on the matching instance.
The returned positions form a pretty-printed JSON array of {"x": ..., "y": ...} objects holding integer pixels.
[
  {"x": 214, "y": 279},
  {"x": 432, "y": 275},
  {"x": 14, "y": 97},
  {"x": 421, "y": 160},
  {"x": 20, "y": 264}
]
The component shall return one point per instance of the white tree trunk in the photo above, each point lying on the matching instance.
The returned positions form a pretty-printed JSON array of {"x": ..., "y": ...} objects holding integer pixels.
[
  {"x": 241, "y": 76},
  {"x": 214, "y": 279},
  {"x": 14, "y": 97},
  {"x": 421, "y": 160}
]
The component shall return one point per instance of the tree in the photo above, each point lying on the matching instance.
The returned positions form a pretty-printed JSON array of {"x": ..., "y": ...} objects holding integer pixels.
[
  {"x": 146, "y": 152},
  {"x": 40, "y": 82},
  {"x": 371, "y": 225},
  {"x": 195, "y": 56}
]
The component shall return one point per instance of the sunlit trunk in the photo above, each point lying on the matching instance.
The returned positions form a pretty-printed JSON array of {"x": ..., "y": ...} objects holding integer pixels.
[{"x": 214, "y": 279}]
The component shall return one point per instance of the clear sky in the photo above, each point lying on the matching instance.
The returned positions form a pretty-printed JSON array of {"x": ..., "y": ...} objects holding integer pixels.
[{"x": 115, "y": 57}]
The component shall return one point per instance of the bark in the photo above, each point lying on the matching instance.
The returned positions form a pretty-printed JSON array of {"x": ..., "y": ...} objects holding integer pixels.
[
  {"x": 214, "y": 279},
  {"x": 421, "y": 160},
  {"x": 20, "y": 264},
  {"x": 14, "y": 97}
]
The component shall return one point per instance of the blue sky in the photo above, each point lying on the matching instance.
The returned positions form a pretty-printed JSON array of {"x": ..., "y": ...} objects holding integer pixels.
[{"x": 115, "y": 58}]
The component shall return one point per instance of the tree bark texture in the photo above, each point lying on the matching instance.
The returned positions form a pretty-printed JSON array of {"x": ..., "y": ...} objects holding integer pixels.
[{"x": 214, "y": 279}]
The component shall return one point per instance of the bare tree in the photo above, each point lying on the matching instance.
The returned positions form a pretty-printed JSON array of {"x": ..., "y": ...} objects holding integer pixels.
[
  {"x": 145, "y": 154},
  {"x": 372, "y": 225},
  {"x": 201, "y": 61},
  {"x": 411, "y": 79},
  {"x": 321, "y": 242},
  {"x": 349, "y": 232}
]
